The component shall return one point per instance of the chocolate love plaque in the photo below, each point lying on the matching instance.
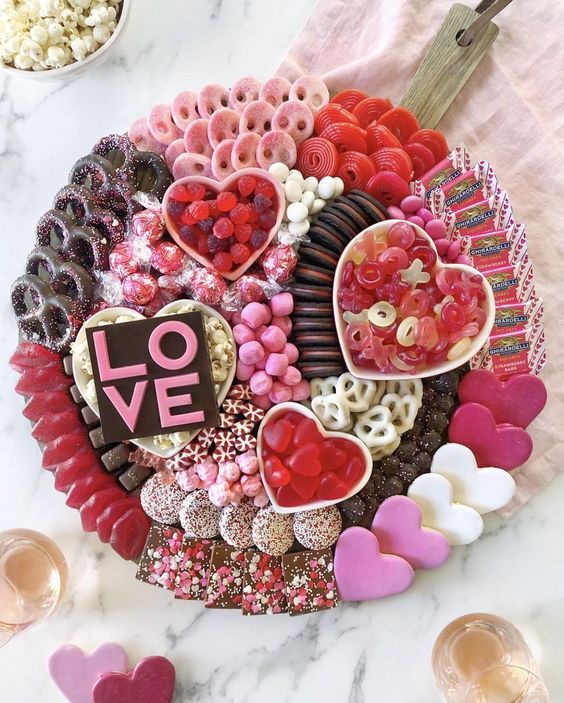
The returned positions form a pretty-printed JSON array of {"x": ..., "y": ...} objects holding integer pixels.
[{"x": 152, "y": 376}]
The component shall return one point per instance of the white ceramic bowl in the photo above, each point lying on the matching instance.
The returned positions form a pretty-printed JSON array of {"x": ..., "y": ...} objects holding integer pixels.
[
  {"x": 312, "y": 505},
  {"x": 477, "y": 342},
  {"x": 110, "y": 314},
  {"x": 77, "y": 68}
]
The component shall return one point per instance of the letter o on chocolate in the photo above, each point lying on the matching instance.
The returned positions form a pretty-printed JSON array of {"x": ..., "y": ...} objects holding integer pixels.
[{"x": 184, "y": 331}]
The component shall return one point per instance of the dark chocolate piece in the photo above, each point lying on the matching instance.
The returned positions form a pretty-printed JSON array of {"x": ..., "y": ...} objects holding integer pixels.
[
  {"x": 89, "y": 416},
  {"x": 75, "y": 393},
  {"x": 115, "y": 457},
  {"x": 97, "y": 438},
  {"x": 310, "y": 581},
  {"x": 225, "y": 583},
  {"x": 134, "y": 476},
  {"x": 263, "y": 585}
]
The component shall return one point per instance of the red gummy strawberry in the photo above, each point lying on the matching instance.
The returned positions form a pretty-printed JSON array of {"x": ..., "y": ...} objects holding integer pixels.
[
  {"x": 50, "y": 378},
  {"x": 129, "y": 533},
  {"x": 46, "y": 401},
  {"x": 107, "y": 519},
  {"x": 84, "y": 488},
  {"x": 28, "y": 355},
  {"x": 53, "y": 425},
  {"x": 78, "y": 466},
  {"x": 96, "y": 504},
  {"x": 58, "y": 450}
]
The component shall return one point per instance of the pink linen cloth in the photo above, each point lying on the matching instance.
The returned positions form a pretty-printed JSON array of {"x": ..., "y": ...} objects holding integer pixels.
[{"x": 510, "y": 112}]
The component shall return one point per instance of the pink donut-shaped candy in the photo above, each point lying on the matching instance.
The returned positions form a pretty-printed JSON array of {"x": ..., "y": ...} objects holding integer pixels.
[
  {"x": 243, "y": 92},
  {"x": 191, "y": 165},
  {"x": 173, "y": 151},
  {"x": 295, "y": 118},
  {"x": 244, "y": 151},
  {"x": 275, "y": 91},
  {"x": 256, "y": 117},
  {"x": 221, "y": 160},
  {"x": 196, "y": 139},
  {"x": 161, "y": 125},
  {"x": 276, "y": 146},
  {"x": 311, "y": 91},
  {"x": 143, "y": 139},
  {"x": 211, "y": 98},
  {"x": 185, "y": 109},
  {"x": 223, "y": 124}
]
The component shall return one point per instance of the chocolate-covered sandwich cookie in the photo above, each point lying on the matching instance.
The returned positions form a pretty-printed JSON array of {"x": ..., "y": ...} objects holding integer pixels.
[{"x": 308, "y": 273}]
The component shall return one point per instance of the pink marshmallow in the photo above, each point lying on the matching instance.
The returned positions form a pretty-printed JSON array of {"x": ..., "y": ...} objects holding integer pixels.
[
  {"x": 260, "y": 331},
  {"x": 229, "y": 470},
  {"x": 251, "y": 485},
  {"x": 244, "y": 371},
  {"x": 251, "y": 352},
  {"x": 236, "y": 493},
  {"x": 255, "y": 314},
  {"x": 262, "y": 401},
  {"x": 276, "y": 364},
  {"x": 301, "y": 391},
  {"x": 261, "y": 500},
  {"x": 248, "y": 462},
  {"x": 273, "y": 339},
  {"x": 260, "y": 382},
  {"x": 267, "y": 313},
  {"x": 219, "y": 494},
  {"x": 261, "y": 365},
  {"x": 292, "y": 376},
  {"x": 242, "y": 334},
  {"x": 291, "y": 352},
  {"x": 282, "y": 304},
  {"x": 280, "y": 393},
  {"x": 284, "y": 322}
]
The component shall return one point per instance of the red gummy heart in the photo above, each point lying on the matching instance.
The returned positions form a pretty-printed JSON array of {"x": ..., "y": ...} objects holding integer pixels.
[
  {"x": 352, "y": 472},
  {"x": 307, "y": 432},
  {"x": 331, "y": 487},
  {"x": 504, "y": 446},
  {"x": 288, "y": 498},
  {"x": 278, "y": 435},
  {"x": 304, "y": 486},
  {"x": 331, "y": 457},
  {"x": 305, "y": 460},
  {"x": 275, "y": 472},
  {"x": 516, "y": 401},
  {"x": 152, "y": 681}
]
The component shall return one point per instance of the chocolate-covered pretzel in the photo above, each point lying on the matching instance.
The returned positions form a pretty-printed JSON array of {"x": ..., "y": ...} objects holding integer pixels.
[
  {"x": 80, "y": 203},
  {"x": 116, "y": 148},
  {"x": 81, "y": 244},
  {"x": 64, "y": 277}
]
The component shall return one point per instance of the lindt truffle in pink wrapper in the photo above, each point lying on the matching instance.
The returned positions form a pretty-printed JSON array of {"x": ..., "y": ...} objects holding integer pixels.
[
  {"x": 139, "y": 288},
  {"x": 167, "y": 257},
  {"x": 279, "y": 263},
  {"x": 170, "y": 286},
  {"x": 249, "y": 289},
  {"x": 148, "y": 224},
  {"x": 207, "y": 286},
  {"x": 122, "y": 261}
]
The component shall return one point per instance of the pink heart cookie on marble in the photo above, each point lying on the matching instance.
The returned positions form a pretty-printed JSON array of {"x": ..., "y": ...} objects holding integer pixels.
[
  {"x": 362, "y": 572},
  {"x": 504, "y": 446},
  {"x": 397, "y": 525},
  {"x": 75, "y": 672},
  {"x": 152, "y": 681},
  {"x": 516, "y": 401}
]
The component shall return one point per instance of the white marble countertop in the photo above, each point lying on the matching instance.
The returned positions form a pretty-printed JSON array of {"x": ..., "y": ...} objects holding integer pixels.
[{"x": 374, "y": 651}]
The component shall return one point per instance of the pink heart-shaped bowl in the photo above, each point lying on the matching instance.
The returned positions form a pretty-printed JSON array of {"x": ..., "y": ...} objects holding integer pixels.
[
  {"x": 478, "y": 340},
  {"x": 309, "y": 504},
  {"x": 229, "y": 184}
]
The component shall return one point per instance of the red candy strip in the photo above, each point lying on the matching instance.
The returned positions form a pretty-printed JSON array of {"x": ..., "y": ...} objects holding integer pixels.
[
  {"x": 391, "y": 158},
  {"x": 332, "y": 114},
  {"x": 421, "y": 157},
  {"x": 348, "y": 98},
  {"x": 388, "y": 188},
  {"x": 355, "y": 169},
  {"x": 346, "y": 137},
  {"x": 401, "y": 122},
  {"x": 371, "y": 109},
  {"x": 378, "y": 136},
  {"x": 317, "y": 157},
  {"x": 433, "y": 140}
]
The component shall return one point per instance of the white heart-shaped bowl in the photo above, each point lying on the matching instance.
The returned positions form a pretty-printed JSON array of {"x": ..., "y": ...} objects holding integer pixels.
[
  {"x": 477, "y": 342},
  {"x": 312, "y": 505},
  {"x": 111, "y": 314},
  {"x": 220, "y": 187}
]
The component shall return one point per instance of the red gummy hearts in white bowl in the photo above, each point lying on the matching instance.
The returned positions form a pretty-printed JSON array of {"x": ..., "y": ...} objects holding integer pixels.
[{"x": 225, "y": 225}]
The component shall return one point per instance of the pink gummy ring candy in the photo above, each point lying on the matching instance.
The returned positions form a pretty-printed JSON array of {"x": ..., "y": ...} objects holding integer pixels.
[
  {"x": 243, "y": 154},
  {"x": 196, "y": 139},
  {"x": 276, "y": 146},
  {"x": 311, "y": 91},
  {"x": 243, "y": 92},
  {"x": 173, "y": 151},
  {"x": 161, "y": 125},
  {"x": 143, "y": 139},
  {"x": 212, "y": 97},
  {"x": 185, "y": 109},
  {"x": 221, "y": 160},
  {"x": 256, "y": 117},
  {"x": 295, "y": 118},
  {"x": 275, "y": 91},
  {"x": 223, "y": 124},
  {"x": 191, "y": 165}
]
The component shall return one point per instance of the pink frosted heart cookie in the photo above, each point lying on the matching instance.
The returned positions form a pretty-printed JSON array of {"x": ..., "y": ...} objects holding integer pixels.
[
  {"x": 504, "y": 446},
  {"x": 152, "y": 681},
  {"x": 516, "y": 401},
  {"x": 75, "y": 673},
  {"x": 363, "y": 573},
  {"x": 397, "y": 525}
]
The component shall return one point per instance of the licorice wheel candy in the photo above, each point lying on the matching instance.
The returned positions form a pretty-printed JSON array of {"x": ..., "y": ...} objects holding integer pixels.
[
  {"x": 317, "y": 157},
  {"x": 346, "y": 137},
  {"x": 391, "y": 158},
  {"x": 422, "y": 158},
  {"x": 332, "y": 114},
  {"x": 348, "y": 98},
  {"x": 401, "y": 122},
  {"x": 371, "y": 109},
  {"x": 388, "y": 188},
  {"x": 355, "y": 170},
  {"x": 378, "y": 136},
  {"x": 433, "y": 140}
]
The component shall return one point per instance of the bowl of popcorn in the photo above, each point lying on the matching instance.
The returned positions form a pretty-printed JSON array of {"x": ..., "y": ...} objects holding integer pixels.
[{"x": 56, "y": 39}]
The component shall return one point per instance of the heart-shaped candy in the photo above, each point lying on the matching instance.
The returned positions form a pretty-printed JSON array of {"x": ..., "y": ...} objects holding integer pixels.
[
  {"x": 75, "y": 672},
  {"x": 483, "y": 489},
  {"x": 152, "y": 681},
  {"x": 233, "y": 184},
  {"x": 516, "y": 401},
  {"x": 434, "y": 496},
  {"x": 362, "y": 572},
  {"x": 397, "y": 525},
  {"x": 504, "y": 446}
]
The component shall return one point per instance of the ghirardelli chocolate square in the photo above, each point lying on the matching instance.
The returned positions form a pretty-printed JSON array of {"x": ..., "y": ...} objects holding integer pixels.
[{"x": 153, "y": 376}]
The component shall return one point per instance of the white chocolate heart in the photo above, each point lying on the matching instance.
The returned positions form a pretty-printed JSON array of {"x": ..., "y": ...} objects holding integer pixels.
[
  {"x": 434, "y": 495},
  {"x": 483, "y": 489}
]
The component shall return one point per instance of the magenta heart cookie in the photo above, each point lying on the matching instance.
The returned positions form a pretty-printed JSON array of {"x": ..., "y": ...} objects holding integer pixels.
[
  {"x": 363, "y": 573},
  {"x": 503, "y": 446},
  {"x": 516, "y": 401},
  {"x": 397, "y": 525},
  {"x": 75, "y": 672},
  {"x": 152, "y": 681}
]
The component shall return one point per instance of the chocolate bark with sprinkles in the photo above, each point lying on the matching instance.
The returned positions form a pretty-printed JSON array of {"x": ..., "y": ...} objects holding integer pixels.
[
  {"x": 193, "y": 571},
  {"x": 264, "y": 590},
  {"x": 225, "y": 583},
  {"x": 161, "y": 557},
  {"x": 310, "y": 581}
]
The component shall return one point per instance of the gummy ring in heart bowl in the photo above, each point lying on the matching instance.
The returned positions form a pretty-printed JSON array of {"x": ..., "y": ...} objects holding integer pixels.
[{"x": 277, "y": 331}]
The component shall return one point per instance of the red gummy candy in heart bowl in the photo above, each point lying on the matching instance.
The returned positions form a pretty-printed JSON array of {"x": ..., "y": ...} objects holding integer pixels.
[
  {"x": 305, "y": 466},
  {"x": 399, "y": 311},
  {"x": 225, "y": 225}
]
